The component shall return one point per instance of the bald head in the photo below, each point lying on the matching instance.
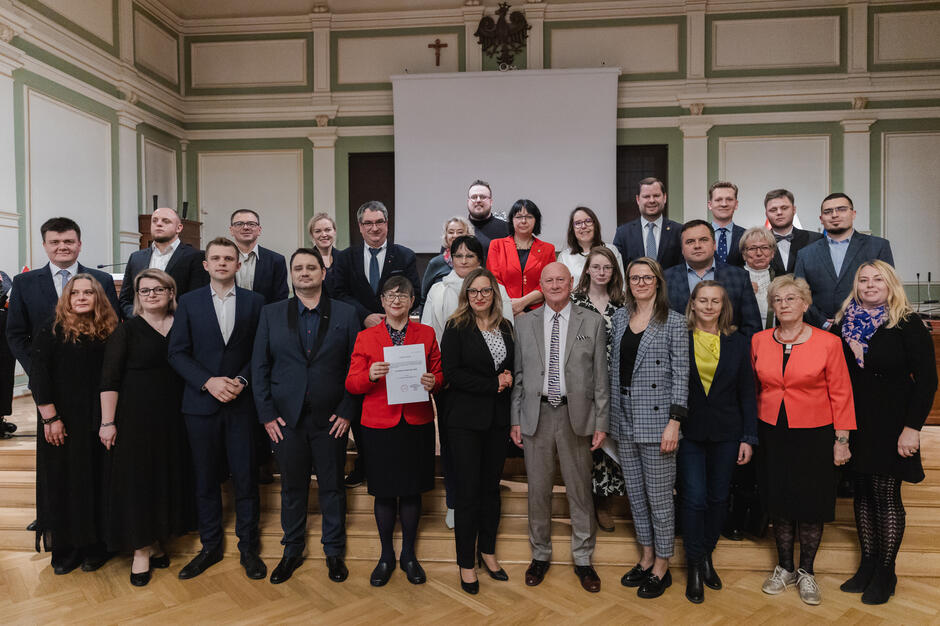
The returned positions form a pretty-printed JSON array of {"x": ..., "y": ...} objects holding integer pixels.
[
  {"x": 555, "y": 283},
  {"x": 165, "y": 225}
]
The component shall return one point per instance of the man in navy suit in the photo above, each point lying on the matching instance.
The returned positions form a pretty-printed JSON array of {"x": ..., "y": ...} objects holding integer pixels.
[
  {"x": 35, "y": 294},
  {"x": 210, "y": 348},
  {"x": 829, "y": 264},
  {"x": 302, "y": 351},
  {"x": 262, "y": 271},
  {"x": 357, "y": 278},
  {"x": 723, "y": 202},
  {"x": 179, "y": 260},
  {"x": 780, "y": 211},
  {"x": 698, "y": 250},
  {"x": 652, "y": 234}
]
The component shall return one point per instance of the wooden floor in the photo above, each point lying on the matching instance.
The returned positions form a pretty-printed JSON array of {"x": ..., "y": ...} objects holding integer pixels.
[{"x": 31, "y": 594}]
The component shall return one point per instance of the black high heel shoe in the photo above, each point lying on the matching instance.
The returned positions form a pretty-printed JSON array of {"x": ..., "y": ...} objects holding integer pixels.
[
  {"x": 499, "y": 574},
  {"x": 471, "y": 588}
]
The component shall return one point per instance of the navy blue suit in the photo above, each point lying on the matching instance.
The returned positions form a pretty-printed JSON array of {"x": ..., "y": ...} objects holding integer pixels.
[
  {"x": 814, "y": 263},
  {"x": 270, "y": 276},
  {"x": 348, "y": 281},
  {"x": 736, "y": 281},
  {"x": 219, "y": 430},
  {"x": 305, "y": 390},
  {"x": 735, "y": 257},
  {"x": 32, "y": 306},
  {"x": 185, "y": 266},
  {"x": 630, "y": 239}
]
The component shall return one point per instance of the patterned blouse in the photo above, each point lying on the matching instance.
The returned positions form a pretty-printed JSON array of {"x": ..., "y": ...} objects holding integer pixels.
[
  {"x": 398, "y": 336},
  {"x": 494, "y": 341},
  {"x": 582, "y": 300}
]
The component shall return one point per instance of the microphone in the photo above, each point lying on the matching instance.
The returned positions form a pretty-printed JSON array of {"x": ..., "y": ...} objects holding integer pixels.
[
  {"x": 101, "y": 266},
  {"x": 918, "y": 286},
  {"x": 929, "y": 300}
]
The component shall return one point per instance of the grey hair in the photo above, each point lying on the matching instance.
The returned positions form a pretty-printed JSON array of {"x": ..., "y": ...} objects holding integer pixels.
[
  {"x": 371, "y": 205},
  {"x": 757, "y": 231},
  {"x": 457, "y": 218}
]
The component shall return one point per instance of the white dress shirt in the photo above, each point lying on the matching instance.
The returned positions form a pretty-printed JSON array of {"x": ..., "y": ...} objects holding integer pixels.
[
  {"x": 224, "y": 305},
  {"x": 367, "y": 257},
  {"x": 563, "y": 320},
  {"x": 159, "y": 260},
  {"x": 245, "y": 277},
  {"x": 783, "y": 246},
  {"x": 58, "y": 280}
]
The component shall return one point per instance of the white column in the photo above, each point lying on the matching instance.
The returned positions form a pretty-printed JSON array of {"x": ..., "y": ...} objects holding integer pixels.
[
  {"x": 695, "y": 41},
  {"x": 694, "y": 168},
  {"x": 320, "y": 24},
  {"x": 10, "y": 60},
  {"x": 324, "y": 169},
  {"x": 472, "y": 14},
  {"x": 129, "y": 193},
  {"x": 535, "y": 45},
  {"x": 857, "y": 168},
  {"x": 126, "y": 30}
]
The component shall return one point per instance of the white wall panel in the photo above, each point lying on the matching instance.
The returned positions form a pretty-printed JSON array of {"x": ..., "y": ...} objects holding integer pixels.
[
  {"x": 907, "y": 37},
  {"x": 159, "y": 175},
  {"x": 95, "y": 16},
  {"x": 773, "y": 43},
  {"x": 375, "y": 59},
  {"x": 276, "y": 62},
  {"x": 155, "y": 49},
  {"x": 634, "y": 49},
  {"x": 268, "y": 181}
]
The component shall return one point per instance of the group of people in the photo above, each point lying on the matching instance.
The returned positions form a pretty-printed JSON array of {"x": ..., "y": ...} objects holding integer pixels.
[{"x": 651, "y": 367}]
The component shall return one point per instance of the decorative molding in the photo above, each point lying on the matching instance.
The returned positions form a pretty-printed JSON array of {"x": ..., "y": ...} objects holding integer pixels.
[
  {"x": 857, "y": 126},
  {"x": 878, "y": 13},
  {"x": 859, "y": 103},
  {"x": 695, "y": 130},
  {"x": 696, "y": 108},
  {"x": 152, "y": 72},
  {"x": 63, "y": 22},
  {"x": 323, "y": 137}
]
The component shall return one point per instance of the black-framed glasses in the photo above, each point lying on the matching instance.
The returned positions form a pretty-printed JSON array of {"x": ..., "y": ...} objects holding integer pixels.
[
  {"x": 246, "y": 224},
  {"x": 583, "y": 223},
  {"x": 375, "y": 223},
  {"x": 841, "y": 210},
  {"x": 157, "y": 291},
  {"x": 396, "y": 297},
  {"x": 752, "y": 249},
  {"x": 648, "y": 279},
  {"x": 486, "y": 292}
]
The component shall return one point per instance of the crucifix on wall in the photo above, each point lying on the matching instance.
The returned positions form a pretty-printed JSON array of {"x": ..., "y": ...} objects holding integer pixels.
[{"x": 437, "y": 45}]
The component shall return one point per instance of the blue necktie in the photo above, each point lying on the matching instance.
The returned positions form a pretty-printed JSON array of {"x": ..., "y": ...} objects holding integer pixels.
[
  {"x": 374, "y": 269},
  {"x": 650, "y": 241},
  {"x": 65, "y": 274},
  {"x": 554, "y": 376},
  {"x": 723, "y": 245}
]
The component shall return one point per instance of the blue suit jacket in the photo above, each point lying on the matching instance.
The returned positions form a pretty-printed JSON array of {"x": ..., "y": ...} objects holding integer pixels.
[
  {"x": 736, "y": 281},
  {"x": 631, "y": 241},
  {"x": 348, "y": 282},
  {"x": 734, "y": 252},
  {"x": 282, "y": 372},
  {"x": 814, "y": 263},
  {"x": 32, "y": 306},
  {"x": 270, "y": 276},
  {"x": 197, "y": 352},
  {"x": 185, "y": 266},
  {"x": 729, "y": 411}
]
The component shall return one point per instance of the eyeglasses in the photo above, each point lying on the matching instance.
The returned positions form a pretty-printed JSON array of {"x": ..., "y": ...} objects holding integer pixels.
[
  {"x": 464, "y": 257},
  {"x": 396, "y": 297},
  {"x": 523, "y": 217},
  {"x": 584, "y": 223},
  {"x": 601, "y": 268},
  {"x": 648, "y": 279},
  {"x": 789, "y": 300},
  {"x": 245, "y": 224},
  {"x": 486, "y": 292},
  {"x": 753, "y": 249},
  {"x": 157, "y": 291},
  {"x": 479, "y": 196},
  {"x": 841, "y": 210},
  {"x": 375, "y": 223}
]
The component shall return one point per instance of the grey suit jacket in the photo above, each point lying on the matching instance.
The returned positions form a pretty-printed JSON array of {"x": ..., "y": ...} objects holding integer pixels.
[
  {"x": 660, "y": 383},
  {"x": 585, "y": 363}
]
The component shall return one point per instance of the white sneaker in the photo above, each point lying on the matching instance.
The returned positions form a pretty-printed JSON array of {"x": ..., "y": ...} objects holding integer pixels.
[
  {"x": 779, "y": 581},
  {"x": 449, "y": 519},
  {"x": 809, "y": 590}
]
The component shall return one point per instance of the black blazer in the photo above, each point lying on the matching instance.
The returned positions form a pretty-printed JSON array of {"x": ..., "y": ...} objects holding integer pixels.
[
  {"x": 735, "y": 257},
  {"x": 801, "y": 239},
  {"x": 270, "y": 276},
  {"x": 729, "y": 411},
  {"x": 185, "y": 267},
  {"x": 631, "y": 241},
  {"x": 472, "y": 400},
  {"x": 348, "y": 282}
]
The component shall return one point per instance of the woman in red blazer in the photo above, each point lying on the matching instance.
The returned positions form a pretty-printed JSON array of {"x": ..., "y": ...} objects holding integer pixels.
[
  {"x": 399, "y": 437},
  {"x": 805, "y": 412},
  {"x": 517, "y": 260}
]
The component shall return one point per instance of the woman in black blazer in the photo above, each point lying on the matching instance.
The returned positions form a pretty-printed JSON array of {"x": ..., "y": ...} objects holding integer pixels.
[
  {"x": 477, "y": 357},
  {"x": 721, "y": 428}
]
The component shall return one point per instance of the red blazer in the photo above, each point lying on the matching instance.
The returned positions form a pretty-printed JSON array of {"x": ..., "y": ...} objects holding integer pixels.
[
  {"x": 816, "y": 389},
  {"x": 376, "y": 412},
  {"x": 503, "y": 260}
]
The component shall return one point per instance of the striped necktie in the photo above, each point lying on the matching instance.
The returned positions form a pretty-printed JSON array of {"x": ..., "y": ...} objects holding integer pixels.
[{"x": 554, "y": 376}]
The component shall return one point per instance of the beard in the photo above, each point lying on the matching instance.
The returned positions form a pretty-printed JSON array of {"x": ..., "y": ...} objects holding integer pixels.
[
  {"x": 838, "y": 231},
  {"x": 164, "y": 238}
]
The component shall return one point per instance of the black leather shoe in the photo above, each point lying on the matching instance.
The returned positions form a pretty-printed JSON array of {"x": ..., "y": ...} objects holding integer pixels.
[
  {"x": 160, "y": 562},
  {"x": 694, "y": 588},
  {"x": 499, "y": 574},
  {"x": 285, "y": 569},
  {"x": 7, "y": 426},
  {"x": 589, "y": 579},
  {"x": 414, "y": 572},
  {"x": 536, "y": 572},
  {"x": 200, "y": 563},
  {"x": 67, "y": 564},
  {"x": 32, "y": 526},
  {"x": 636, "y": 576},
  {"x": 381, "y": 574},
  {"x": 141, "y": 579},
  {"x": 337, "y": 568},
  {"x": 354, "y": 479},
  {"x": 471, "y": 588},
  {"x": 655, "y": 586},
  {"x": 95, "y": 561},
  {"x": 255, "y": 568},
  {"x": 709, "y": 575}
]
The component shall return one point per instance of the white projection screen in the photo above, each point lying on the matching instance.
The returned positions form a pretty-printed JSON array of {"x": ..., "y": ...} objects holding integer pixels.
[{"x": 545, "y": 135}]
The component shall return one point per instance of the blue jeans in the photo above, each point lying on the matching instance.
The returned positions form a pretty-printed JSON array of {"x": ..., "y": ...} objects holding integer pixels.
[{"x": 705, "y": 470}]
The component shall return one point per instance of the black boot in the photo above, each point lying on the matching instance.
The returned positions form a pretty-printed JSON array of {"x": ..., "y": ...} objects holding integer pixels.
[
  {"x": 859, "y": 582},
  {"x": 694, "y": 586},
  {"x": 709, "y": 575},
  {"x": 879, "y": 588}
]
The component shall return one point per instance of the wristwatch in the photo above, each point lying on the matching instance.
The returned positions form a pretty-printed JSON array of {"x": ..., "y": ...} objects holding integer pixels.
[{"x": 842, "y": 439}]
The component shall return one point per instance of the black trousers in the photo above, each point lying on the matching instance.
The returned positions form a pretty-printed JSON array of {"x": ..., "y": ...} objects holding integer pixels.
[
  {"x": 478, "y": 457},
  {"x": 308, "y": 449}
]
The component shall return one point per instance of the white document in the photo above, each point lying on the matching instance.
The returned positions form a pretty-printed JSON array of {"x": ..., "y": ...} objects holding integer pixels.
[{"x": 403, "y": 381}]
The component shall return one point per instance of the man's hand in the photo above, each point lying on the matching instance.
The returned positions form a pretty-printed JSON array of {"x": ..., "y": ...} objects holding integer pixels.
[
  {"x": 340, "y": 426},
  {"x": 597, "y": 440},
  {"x": 274, "y": 429},
  {"x": 518, "y": 306},
  {"x": 515, "y": 433},
  {"x": 373, "y": 319},
  {"x": 223, "y": 388}
]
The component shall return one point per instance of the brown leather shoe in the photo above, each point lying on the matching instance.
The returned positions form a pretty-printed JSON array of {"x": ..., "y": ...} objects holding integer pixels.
[
  {"x": 602, "y": 510},
  {"x": 536, "y": 572},
  {"x": 588, "y": 577}
]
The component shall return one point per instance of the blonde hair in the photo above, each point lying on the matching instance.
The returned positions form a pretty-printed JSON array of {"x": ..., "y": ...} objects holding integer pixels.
[
  {"x": 316, "y": 218},
  {"x": 161, "y": 277},
  {"x": 897, "y": 306},
  {"x": 788, "y": 280},
  {"x": 725, "y": 327},
  {"x": 98, "y": 324},
  {"x": 757, "y": 231},
  {"x": 460, "y": 220},
  {"x": 464, "y": 317}
]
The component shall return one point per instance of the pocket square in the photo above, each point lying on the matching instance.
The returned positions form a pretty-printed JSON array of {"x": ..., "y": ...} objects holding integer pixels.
[{"x": 581, "y": 337}]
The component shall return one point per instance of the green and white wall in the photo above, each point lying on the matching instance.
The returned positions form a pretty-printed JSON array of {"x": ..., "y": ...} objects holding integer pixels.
[{"x": 104, "y": 103}]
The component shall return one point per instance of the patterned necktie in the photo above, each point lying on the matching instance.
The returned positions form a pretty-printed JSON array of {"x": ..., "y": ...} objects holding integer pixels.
[
  {"x": 554, "y": 377},
  {"x": 374, "y": 269},
  {"x": 723, "y": 245},
  {"x": 65, "y": 278},
  {"x": 650, "y": 241}
]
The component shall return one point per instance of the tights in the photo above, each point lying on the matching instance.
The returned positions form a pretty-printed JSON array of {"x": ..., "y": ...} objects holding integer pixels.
[
  {"x": 785, "y": 532},
  {"x": 879, "y": 516},
  {"x": 408, "y": 510}
]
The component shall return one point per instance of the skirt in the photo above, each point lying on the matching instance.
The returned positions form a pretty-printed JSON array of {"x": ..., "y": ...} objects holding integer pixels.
[{"x": 401, "y": 459}]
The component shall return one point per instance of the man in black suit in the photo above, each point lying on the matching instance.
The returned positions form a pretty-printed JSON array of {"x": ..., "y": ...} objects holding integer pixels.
[
  {"x": 357, "y": 278},
  {"x": 486, "y": 226},
  {"x": 652, "y": 234},
  {"x": 780, "y": 210},
  {"x": 723, "y": 202},
  {"x": 262, "y": 271},
  {"x": 168, "y": 253},
  {"x": 305, "y": 343}
]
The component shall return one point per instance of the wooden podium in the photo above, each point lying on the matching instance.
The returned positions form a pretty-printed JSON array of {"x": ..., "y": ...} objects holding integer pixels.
[
  {"x": 191, "y": 232},
  {"x": 934, "y": 325}
]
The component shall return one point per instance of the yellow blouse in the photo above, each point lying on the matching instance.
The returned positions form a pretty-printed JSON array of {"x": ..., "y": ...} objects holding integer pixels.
[{"x": 707, "y": 350}]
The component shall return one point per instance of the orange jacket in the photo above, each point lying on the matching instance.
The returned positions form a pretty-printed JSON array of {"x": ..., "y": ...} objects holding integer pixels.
[
  {"x": 503, "y": 260},
  {"x": 816, "y": 388},
  {"x": 376, "y": 412}
]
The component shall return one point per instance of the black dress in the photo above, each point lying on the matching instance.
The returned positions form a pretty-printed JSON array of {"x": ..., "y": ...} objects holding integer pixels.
[
  {"x": 895, "y": 389},
  {"x": 150, "y": 491},
  {"x": 69, "y": 478}
]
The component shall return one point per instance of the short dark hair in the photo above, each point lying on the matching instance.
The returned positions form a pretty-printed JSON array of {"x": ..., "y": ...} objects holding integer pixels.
[
  {"x": 693, "y": 224},
  {"x": 778, "y": 193},
  {"x": 471, "y": 243},
  {"x": 650, "y": 180},
  {"x": 573, "y": 244},
  {"x": 60, "y": 225},
  {"x": 722, "y": 184},
  {"x": 311, "y": 252},
  {"x": 481, "y": 183},
  {"x": 401, "y": 283},
  {"x": 531, "y": 209},
  {"x": 835, "y": 195},
  {"x": 237, "y": 211},
  {"x": 222, "y": 241}
]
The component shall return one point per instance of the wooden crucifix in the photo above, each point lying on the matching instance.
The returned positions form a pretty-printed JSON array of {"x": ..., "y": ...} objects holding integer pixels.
[{"x": 437, "y": 45}]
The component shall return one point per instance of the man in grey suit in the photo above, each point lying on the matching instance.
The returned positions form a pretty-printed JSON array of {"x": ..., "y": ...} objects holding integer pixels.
[
  {"x": 829, "y": 264},
  {"x": 560, "y": 404}
]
